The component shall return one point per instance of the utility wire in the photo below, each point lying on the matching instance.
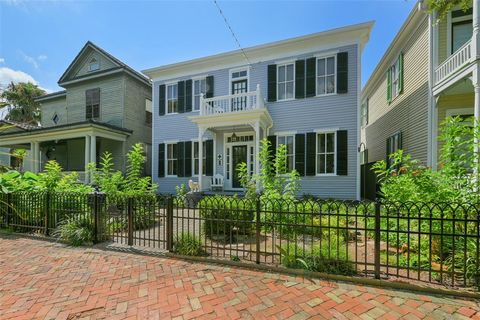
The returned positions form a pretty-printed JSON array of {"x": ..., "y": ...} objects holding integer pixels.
[{"x": 231, "y": 31}]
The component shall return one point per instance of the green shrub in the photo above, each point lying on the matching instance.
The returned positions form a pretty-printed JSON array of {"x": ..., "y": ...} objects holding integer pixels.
[
  {"x": 225, "y": 217},
  {"x": 326, "y": 256},
  {"x": 188, "y": 244},
  {"x": 76, "y": 231}
]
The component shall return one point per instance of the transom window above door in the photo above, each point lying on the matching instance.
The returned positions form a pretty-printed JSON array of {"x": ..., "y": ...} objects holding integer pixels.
[
  {"x": 239, "y": 74},
  {"x": 326, "y": 74},
  {"x": 172, "y": 98},
  {"x": 286, "y": 81}
]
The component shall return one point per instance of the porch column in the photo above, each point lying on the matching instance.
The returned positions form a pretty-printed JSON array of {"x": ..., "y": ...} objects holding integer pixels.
[
  {"x": 87, "y": 157},
  {"x": 34, "y": 150},
  {"x": 476, "y": 107},
  {"x": 257, "y": 150},
  {"x": 93, "y": 149},
  {"x": 201, "y": 131},
  {"x": 476, "y": 28}
]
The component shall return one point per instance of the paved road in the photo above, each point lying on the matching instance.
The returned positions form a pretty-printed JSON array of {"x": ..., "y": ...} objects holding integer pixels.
[{"x": 45, "y": 280}]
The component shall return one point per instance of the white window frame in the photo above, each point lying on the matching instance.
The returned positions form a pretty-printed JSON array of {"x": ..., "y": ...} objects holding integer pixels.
[
  {"x": 285, "y": 64},
  {"x": 325, "y": 57},
  {"x": 293, "y": 151},
  {"x": 450, "y": 21},
  {"x": 204, "y": 158},
  {"x": 97, "y": 64},
  {"x": 334, "y": 173},
  {"x": 167, "y": 85},
  {"x": 231, "y": 79},
  {"x": 167, "y": 159},
  {"x": 198, "y": 78},
  {"x": 395, "y": 78},
  {"x": 364, "y": 113}
]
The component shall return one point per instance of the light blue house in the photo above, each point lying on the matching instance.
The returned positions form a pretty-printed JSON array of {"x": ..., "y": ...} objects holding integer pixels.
[{"x": 302, "y": 92}]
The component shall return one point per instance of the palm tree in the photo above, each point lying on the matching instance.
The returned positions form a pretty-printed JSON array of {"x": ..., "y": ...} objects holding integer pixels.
[{"x": 19, "y": 100}]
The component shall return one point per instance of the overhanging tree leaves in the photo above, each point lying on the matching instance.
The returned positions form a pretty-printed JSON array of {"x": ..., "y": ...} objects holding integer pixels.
[
  {"x": 19, "y": 100},
  {"x": 442, "y": 7}
]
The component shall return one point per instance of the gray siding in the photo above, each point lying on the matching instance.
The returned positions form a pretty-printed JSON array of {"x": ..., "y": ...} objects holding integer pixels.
[
  {"x": 50, "y": 108},
  {"x": 301, "y": 115},
  {"x": 408, "y": 112}
]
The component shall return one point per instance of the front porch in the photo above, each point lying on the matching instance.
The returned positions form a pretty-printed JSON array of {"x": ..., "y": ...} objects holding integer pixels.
[
  {"x": 237, "y": 123},
  {"x": 72, "y": 146}
]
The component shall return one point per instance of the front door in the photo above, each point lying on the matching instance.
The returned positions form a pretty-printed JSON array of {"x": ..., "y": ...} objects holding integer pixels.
[
  {"x": 239, "y": 155},
  {"x": 239, "y": 103}
]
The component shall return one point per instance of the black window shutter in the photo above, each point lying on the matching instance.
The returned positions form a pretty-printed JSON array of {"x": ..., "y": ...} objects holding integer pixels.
[
  {"x": 300, "y": 153},
  {"x": 387, "y": 151},
  {"x": 342, "y": 72},
  {"x": 311, "y": 154},
  {"x": 210, "y": 87},
  {"x": 299, "y": 79},
  {"x": 342, "y": 153},
  {"x": 188, "y": 159},
  {"x": 181, "y": 159},
  {"x": 161, "y": 160},
  {"x": 181, "y": 96},
  {"x": 161, "y": 100},
  {"x": 209, "y": 157},
  {"x": 311, "y": 75},
  {"x": 188, "y": 95},
  {"x": 272, "y": 82}
]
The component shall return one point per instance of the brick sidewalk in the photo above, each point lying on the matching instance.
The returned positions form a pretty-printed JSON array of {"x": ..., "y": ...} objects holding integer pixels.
[{"x": 44, "y": 280}]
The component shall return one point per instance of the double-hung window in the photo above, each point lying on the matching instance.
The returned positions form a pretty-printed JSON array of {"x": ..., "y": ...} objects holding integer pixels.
[
  {"x": 289, "y": 142},
  {"x": 461, "y": 28},
  {"x": 394, "y": 143},
  {"x": 171, "y": 159},
  {"x": 326, "y": 75},
  {"x": 172, "y": 98},
  {"x": 395, "y": 79},
  {"x": 326, "y": 153},
  {"x": 286, "y": 81},
  {"x": 199, "y": 88},
  {"x": 92, "y": 104},
  {"x": 364, "y": 113},
  {"x": 196, "y": 158}
]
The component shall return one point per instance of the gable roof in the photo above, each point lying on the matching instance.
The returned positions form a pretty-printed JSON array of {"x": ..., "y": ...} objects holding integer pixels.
[{"x": 120, "y": 64}]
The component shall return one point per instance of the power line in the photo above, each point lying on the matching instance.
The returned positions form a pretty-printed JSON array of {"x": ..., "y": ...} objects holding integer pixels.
[{"x": 232, "y": 32}]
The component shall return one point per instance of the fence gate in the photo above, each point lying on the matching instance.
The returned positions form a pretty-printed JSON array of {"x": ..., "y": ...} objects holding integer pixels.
[{"x": 139, "y": 221}]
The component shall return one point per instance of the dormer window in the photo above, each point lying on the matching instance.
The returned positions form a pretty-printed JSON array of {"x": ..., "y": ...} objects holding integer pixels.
[{"x": 94, "y": 65}]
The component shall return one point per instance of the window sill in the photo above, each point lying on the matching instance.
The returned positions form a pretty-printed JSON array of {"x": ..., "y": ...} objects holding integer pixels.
[
  {"x": 326, "y": 175},
  {"x": 171, "y": 113},
  {"x": 326, "y": 95},
  {"x": 283, "y": 100},
  {"x": 171, "y": 176}
]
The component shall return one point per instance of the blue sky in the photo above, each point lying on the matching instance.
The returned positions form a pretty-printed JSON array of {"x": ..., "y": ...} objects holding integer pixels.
[{"x": 39, "y": 39}]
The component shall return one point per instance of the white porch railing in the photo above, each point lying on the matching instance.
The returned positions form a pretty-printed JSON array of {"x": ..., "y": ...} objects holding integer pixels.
[
  {"x": 455, "y": 62},
  {"x": 232, "y": 103}
]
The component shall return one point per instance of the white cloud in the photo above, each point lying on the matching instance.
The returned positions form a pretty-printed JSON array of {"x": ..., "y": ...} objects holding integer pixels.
[
  {"x": 2, "y": 60},
  {"x": 42, "y": 57},
  {"x": 29, "y": 59},
  {"x": 8, "y": 75}
]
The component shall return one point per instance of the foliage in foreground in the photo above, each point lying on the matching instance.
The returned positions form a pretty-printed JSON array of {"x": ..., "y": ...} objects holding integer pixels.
[
  {"x": 188, "y": 244},
  {"x": 75, "y": 231}
]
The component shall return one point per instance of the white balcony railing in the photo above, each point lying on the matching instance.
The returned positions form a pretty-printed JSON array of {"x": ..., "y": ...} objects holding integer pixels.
[
  {"x": 232, "y": 103},
  {"x": 455, "y": 62}
]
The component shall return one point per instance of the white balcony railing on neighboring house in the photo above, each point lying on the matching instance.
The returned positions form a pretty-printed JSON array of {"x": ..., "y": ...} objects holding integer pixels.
[
  {"x": 455, "y": 62},
  {"x": 232, "y": 103}
]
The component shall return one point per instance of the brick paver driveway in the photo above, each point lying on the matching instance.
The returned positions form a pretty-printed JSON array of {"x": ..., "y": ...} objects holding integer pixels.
[{"x": 44, "y": 280}]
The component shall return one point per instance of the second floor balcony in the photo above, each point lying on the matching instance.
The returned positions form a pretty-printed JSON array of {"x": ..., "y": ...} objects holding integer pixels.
[
  {"x": 454, "y": 63},
  {"x": 239, "y": 102}
]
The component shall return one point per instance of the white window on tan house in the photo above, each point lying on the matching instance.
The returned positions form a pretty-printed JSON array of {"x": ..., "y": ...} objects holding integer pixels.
[
  {"x": 289, "y": 142},
  {"x": 364, "y": 113},
  {"x": 172, "y": 159},
  {"x": 461, "y": 28},
  {"x": 326, "y": 153},
  {"x": 326, "y": 75},
  {"x": 172, "y": 98},
  {"x": 395, "y": 79},
  {"x": 286, "y": 81},
  {"x": 93, "y": 65}
]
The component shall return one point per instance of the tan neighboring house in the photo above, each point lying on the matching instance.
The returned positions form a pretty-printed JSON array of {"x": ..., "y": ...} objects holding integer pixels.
[
  {"x": 106, "y": 106},
  {"x": 430, "y": 71}
]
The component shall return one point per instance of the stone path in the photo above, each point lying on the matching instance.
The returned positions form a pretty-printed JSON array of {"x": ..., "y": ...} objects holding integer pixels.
[{"x": 45, "y": 280}]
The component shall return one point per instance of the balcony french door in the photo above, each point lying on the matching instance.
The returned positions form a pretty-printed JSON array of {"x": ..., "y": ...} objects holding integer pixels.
[{"x": 239, "y": 103}]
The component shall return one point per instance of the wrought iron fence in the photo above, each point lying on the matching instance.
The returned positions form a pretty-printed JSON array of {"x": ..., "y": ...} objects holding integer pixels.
[{"x": 428, "y": 242}]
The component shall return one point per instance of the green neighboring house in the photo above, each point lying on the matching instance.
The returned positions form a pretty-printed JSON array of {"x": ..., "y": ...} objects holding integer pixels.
[{"x": 105, "y": 106}]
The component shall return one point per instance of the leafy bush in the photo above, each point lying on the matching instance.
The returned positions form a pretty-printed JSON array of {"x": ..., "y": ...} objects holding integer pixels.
[
  {"x": 76, "y": 231},
  {"x": 326, "y": 256},
  {"x": 225, "y": 217},
  {"x": 188, "y": 244}
]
